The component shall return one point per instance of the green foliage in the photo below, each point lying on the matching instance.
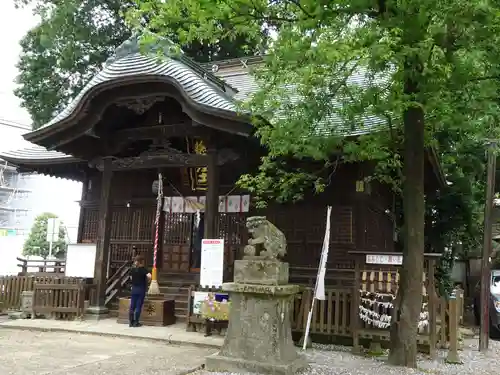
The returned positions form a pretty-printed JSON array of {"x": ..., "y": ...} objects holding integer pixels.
[
  {"x": 392, "y": 69},
  {"x": 318, "y": 46},
  {"x": 37, "y": 243},
  {"x": 62, "y": 53},
  {"x": 74, "y": 39}
]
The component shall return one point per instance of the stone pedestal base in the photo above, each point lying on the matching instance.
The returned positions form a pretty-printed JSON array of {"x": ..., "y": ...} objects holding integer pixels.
[
  {"x": 254, "y": 270},
  {"x": 259, "y": 336},
  {"x": 96, "y": 313},
  {"x": 238, "y": 365}
]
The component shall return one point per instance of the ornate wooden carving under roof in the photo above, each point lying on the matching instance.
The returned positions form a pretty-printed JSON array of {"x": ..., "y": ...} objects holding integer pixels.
[
  {"x": 165, "y": 156},
  {"x": 140, "y": 105},
  {"x": 159, "y": 131}
]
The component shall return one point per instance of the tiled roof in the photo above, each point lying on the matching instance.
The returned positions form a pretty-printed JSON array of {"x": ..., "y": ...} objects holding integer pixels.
[
  {"x": 35, "y": 152},
  {"x": 245, "y": 83},
  {"x": 201, "y": 86},
  {"x": 199, "y": 89}
]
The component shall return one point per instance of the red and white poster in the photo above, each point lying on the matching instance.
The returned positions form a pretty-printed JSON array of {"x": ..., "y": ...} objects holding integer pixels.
[{"x": 212, "y": 262}]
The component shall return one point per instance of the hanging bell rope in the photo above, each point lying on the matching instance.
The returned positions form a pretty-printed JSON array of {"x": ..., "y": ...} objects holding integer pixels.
[{"x": 154, "y": 288}]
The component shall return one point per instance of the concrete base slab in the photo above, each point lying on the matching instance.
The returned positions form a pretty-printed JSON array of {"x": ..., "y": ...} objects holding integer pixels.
[
  {"x": 174, "y": 335},
  {"x": 218, "y": 363}
]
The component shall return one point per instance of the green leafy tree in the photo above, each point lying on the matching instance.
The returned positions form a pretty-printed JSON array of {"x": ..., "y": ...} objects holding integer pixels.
[
  {"x": 37, "y": 243},
  {"x": 74, "y": 39},
  {"x": 427, "y": 67}
]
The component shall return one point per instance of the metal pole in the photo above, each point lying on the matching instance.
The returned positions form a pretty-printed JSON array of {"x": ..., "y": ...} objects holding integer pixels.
[
  {"x": 485, "y": 261},
  {"x": 50, "y": 249}
]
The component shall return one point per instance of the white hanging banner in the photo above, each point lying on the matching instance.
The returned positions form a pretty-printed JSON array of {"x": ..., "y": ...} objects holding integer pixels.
[
  {"x": 227, "y": 204},
  {"x": 212, "y": 262},
  {"x": 319, "y": 289},
  {"x": 319, "y": 293}
]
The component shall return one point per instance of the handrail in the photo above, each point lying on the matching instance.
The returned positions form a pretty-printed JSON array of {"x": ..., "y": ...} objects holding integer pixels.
[
  {"x": 111, "y": 280},
  {"x": 56, "y": 265},
  {"x": 117, "y": 281}
]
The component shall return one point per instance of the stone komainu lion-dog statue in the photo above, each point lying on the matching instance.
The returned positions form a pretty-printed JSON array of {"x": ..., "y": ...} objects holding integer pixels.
[{"x": 266, "y": 240}]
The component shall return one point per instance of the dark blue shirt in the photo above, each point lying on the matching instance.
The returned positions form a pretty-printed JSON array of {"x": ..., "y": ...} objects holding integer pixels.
[{"x": 139, "y": 277}]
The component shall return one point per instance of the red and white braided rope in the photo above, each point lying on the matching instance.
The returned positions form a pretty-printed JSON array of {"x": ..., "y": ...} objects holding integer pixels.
[{"x": 157, "y": 220}]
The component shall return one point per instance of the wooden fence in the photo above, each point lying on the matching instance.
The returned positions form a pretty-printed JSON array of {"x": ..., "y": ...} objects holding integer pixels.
[
  {"x": 61, "y": 298},
  {"x": 57, "y": 297},
  {"x": 11, "y": 288},
  {"x": 330, "y": 317},
  {"x": 339, "y": 314}
]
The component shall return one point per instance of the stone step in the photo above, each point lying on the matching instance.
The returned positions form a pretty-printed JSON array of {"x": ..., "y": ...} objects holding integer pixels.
[
  {"x": 180, "y": 318},
  {"x": 180, "y": 310},
  {"x": 178, "y": 299},
  {"x": 174, "y": 289},
  {"x": 177, "y": 296}
]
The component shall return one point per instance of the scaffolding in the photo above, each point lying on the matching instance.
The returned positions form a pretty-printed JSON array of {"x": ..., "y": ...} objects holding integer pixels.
[{"x": 11, "y": 209}]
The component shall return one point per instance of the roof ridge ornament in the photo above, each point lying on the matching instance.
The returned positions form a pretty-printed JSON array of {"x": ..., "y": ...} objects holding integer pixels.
[
  {"x": 149, "y": 43},
  {"x": 162, "y": 47}
]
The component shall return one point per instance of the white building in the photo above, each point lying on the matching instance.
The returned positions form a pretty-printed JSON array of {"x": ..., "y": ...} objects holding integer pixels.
[{"x": 25, "y": 196}]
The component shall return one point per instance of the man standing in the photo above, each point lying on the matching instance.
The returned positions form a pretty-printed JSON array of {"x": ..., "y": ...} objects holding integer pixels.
[{"x": 140, "y": 279}]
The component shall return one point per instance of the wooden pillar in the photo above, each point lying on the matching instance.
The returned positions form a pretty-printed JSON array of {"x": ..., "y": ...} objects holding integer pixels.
[
  {"x": 103, "y": 239},
  {"x": 355, "y": 301},
  {"x": 212, "y": 202},
  {"x": 85, "y": 187},
  {"x": 453, "y": 319},
  {"x": 161, "y": 226},
  {"x": 432, "y": 308}
]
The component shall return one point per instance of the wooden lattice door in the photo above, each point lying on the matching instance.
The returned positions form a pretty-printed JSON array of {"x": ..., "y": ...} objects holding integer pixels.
[
  {"x": 231, "y": 227},
  {"x": 177, "y": 242}
]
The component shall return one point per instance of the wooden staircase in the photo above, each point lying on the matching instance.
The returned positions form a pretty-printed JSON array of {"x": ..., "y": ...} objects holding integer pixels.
[
  {"x": 116, "y": 283},
  {"x": 176, "y": 286}
]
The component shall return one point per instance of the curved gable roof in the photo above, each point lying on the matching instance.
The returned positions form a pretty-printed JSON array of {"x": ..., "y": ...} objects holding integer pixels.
[
  {"x": 199, "y": 86},
  {"x": 196, "y": 88}
]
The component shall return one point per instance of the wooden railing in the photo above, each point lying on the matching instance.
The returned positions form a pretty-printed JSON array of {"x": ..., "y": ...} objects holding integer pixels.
[
  {"x": 117, "y": 282},
  {"x": 334, "y": 316},
  {"x": 41, "y": 267},
  {"x": 61, "y": 298},
  {"x": 11, "y": 288},
  {"x": 329, "y": 317}
]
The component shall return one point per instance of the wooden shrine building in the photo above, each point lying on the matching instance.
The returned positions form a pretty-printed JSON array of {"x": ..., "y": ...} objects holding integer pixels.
[{"x": 139, "y": 116}]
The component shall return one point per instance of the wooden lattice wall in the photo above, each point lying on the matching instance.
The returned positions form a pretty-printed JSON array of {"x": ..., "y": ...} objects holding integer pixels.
[{"x": 359, "y": 222}]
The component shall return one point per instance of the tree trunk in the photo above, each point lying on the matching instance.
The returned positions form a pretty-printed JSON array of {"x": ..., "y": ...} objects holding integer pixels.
[{"x": 408, "y": 303}]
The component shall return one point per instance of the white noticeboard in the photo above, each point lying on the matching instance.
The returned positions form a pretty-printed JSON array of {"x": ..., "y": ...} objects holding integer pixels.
[
  {"x": 212, "y": 262},
  {"x": 392, "y": 260},
  {"x": 80, "y": 260}
]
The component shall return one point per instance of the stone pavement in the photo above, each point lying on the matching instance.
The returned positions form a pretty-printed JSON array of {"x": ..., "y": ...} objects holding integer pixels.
[
  {"x": 25, "y": 352},
  {"x": 175, "y": 334}
]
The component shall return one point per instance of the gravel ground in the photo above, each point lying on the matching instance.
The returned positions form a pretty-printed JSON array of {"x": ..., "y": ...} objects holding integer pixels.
[
  {"x": 48, "y": 353},
  {"x": 337, "y": 360}
]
